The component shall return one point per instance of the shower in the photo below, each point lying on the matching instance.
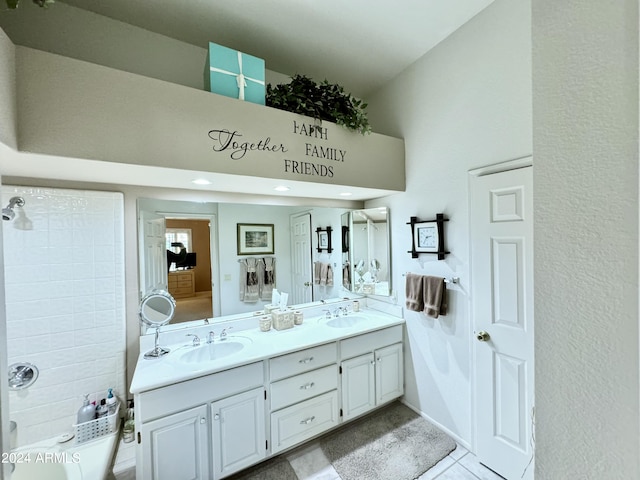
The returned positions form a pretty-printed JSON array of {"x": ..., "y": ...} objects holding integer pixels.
[{"x": 7, "y": 212}]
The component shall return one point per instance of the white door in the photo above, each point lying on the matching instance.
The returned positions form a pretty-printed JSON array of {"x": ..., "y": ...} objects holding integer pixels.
[
  {"x": 153, "y": 252},
  {"x": 501, "y": 224},
  {"x": 301, "y": 272}
]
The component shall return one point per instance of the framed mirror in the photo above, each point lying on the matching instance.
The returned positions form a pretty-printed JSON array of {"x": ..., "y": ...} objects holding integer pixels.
[{"x": 370, "y": 251}]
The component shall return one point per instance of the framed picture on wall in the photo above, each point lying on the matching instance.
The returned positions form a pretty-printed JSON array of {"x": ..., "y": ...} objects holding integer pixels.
[
  {"x": 255, "y": 238},
  {"x": 324, "y": 239}
]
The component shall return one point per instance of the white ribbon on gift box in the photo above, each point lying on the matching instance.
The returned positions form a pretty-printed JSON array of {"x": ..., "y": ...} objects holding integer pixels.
[{"x": 241, "y": 79}]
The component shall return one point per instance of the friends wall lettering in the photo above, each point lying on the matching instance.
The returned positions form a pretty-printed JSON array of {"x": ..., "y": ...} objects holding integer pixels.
[{"x": 237, "y": 147}]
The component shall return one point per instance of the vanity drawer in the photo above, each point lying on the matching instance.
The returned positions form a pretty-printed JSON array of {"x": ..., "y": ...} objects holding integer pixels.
[
  {"x": 304, "y": 420},
  {"x": 352, "y": 347},
  {"x": 301, "y": 387},
  {"x": 302, "y": 361},
  {"x": 180, "y": 396}
]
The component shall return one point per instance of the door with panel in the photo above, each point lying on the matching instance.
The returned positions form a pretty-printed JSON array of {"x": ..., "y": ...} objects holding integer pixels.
[
  {"x": 501, "y": 214},
  {"x": 301, "y": 273}
]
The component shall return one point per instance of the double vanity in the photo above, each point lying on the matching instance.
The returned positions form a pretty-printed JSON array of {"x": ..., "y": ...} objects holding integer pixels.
[{"x": 220, "y": 402}]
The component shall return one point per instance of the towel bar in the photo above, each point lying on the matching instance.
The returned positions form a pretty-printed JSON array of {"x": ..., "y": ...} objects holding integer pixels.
[{"x": 446, "y": 280}]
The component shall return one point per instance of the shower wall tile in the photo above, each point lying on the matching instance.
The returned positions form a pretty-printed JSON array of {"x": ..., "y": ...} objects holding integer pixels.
[{"x": 64, "y": 286}]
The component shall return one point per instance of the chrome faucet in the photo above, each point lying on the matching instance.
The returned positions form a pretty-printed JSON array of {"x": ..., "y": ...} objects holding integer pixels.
[
  {"x": 327, "y": 314},
  {"x": 223, "y": 334},
  {"x": 211, "y": 337},
  {"x": 336, "y": 312},
  {"x": 196, "y": 339}
]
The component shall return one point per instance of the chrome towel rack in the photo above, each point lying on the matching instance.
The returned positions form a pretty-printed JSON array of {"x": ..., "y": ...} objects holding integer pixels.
[{"x": 455, "y": 280}]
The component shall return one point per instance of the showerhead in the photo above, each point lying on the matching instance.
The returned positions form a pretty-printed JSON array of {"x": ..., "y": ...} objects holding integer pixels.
[{"x": 7, "y": 212}]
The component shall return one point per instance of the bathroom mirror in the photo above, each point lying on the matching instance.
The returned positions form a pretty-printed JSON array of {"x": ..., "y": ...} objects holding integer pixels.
[
  {"x": 214, "y": 249},
  {"x": 369, "y": 256}
]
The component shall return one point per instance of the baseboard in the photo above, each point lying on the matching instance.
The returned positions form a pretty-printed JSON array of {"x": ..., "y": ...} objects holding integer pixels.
[{"x": 457, "y": 438}]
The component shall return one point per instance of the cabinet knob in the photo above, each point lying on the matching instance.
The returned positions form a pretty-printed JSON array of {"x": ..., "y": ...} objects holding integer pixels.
[
  {"x": 306, "y": 360},
  {"x": 307, "y": 421},
  {"x": 216, "y": 416},
  {"x": 307, "y": 386},
  {"x": 203, "y": 420},
  {"x": 373, "y": 362}
]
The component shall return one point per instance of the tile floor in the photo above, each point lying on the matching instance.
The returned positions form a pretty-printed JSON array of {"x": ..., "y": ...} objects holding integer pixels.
[{"x": 310, "y": 463}]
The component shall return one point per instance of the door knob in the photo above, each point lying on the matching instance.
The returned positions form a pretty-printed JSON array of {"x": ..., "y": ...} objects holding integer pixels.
[
  {"x": 307, "y": 284},
  {"x": 483, "y": 336}
]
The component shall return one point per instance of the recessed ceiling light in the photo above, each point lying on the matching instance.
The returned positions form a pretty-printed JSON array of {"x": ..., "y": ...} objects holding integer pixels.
[
  {"x": 282, "y": 188},
  {"x": 346, "y": 194},
  {"x": 201, "y": 181}
]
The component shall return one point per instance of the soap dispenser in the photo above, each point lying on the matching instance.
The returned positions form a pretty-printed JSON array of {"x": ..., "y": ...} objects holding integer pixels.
[
  {"x": 112, "y": 402},
  {"x": 87, "y": 412}
]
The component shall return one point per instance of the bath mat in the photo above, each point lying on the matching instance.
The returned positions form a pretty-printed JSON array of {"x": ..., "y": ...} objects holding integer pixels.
[
  {"x": 274, "y": 469},
  {"x": 391, "y": 443}
]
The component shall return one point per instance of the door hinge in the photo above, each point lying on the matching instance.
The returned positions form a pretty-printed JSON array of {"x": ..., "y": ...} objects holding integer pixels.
[
  {"x": 266, "y": 444},
  {"x": 265, "y": 394},
  {"x": 340, "y": 370},
  {"x": 139, "y": 438},
  {"x": 340, "y": 412}
]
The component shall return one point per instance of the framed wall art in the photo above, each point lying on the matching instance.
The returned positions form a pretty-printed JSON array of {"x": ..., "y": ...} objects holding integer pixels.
[
  {"x": 324, "y": 239},
  {"x": 255, "y": 238}
]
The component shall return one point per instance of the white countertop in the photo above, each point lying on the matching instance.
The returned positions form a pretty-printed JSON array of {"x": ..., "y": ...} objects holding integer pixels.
[{"x": 170, "y": 369}]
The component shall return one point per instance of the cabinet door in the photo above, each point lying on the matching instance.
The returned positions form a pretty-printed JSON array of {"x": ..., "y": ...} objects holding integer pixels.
[
  {"x": 176, "y": 447},
  {"x": 238, "y": 429},
  {"x": 389, "y": 373},
  {"x": 358, "y": 386}
]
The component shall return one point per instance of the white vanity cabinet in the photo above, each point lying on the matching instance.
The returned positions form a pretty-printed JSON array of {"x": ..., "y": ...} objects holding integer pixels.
[
  {"x": 204, "y": 428},
  {"x": 371, "y": 370},
  {"x": 304, "y": 395},
  {"x": 212, "y": 426},
  {"x": 238, "y": 432},
  {"x": 177, "y": 446}
]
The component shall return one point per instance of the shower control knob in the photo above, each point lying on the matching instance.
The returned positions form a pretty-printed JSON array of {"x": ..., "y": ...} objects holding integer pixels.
[{"x": 483, "y": 336}]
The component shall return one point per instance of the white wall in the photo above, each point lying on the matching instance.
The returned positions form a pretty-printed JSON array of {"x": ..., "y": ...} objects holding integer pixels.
[
  {"x": 465, "y": 104},
  {"x": 585, "y": 138},
  {"x": 64, "y": 287}
]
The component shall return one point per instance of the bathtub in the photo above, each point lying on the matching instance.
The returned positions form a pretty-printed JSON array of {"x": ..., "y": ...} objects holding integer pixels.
[{"x": 51, "y": 460}]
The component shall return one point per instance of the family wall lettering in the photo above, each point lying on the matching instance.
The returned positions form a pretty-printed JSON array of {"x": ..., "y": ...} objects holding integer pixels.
[{"x": 237, "y": 147}]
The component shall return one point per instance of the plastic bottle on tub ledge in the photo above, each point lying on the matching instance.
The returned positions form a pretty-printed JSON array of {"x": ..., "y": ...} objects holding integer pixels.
[
  {"x": 87, "y": 411},
  {"x": 112, "y": 402}
]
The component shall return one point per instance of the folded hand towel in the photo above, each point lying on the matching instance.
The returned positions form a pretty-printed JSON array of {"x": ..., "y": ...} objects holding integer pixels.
[
  {"x": 323, "y": 273},
  {"x": 414, "y": 292},
  {"x": 329, "y": 280},
  {"x": 251, "y": 291},
  {"x": 434, "y": 292},
  {"x": 317, "y": 266}
]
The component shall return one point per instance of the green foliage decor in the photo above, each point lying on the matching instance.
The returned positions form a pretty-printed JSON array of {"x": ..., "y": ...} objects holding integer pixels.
[
  {"x": 322, "y": 101},
  {"x": 13, "y": 4}
]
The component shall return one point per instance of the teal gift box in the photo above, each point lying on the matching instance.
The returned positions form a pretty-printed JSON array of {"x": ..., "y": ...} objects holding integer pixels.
[{"x": 234, "y": 74}]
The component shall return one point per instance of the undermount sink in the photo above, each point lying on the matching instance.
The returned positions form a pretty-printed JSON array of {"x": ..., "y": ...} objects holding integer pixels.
[
  {"x": 346, "y": 321},
  {"x": 213, "y": 351}
]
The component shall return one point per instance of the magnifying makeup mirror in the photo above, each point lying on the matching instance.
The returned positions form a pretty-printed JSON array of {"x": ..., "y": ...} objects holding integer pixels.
[{"x": 157, "y": 309}]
